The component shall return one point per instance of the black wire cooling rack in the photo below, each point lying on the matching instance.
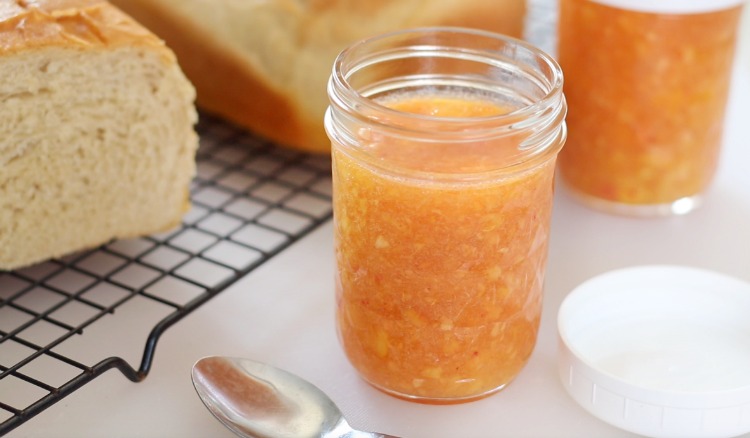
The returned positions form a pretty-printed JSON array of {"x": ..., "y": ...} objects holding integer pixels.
[{"x": 251, "y": 200}]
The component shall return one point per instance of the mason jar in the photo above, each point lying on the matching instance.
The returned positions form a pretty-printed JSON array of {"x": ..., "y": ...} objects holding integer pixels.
[
  {"x": 647, "y": 84},
  {"x": 444, "y": 143}
]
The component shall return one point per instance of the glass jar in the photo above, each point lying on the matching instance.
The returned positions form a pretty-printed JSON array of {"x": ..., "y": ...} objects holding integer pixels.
[
  {"x": 647, "y": 84},
  {"x": 444, "y": 142}
]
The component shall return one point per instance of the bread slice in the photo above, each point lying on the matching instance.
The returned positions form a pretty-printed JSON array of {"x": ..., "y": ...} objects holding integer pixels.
[
  {"x": 97, "y": 136},
  {"x": 265, "y": 64}
]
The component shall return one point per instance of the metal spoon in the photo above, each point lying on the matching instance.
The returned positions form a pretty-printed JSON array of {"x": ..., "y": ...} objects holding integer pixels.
[{"x": 253, "y": 399}]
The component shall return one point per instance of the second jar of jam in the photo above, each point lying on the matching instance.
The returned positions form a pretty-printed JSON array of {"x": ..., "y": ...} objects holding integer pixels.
[{"x": 647, "y": 84}]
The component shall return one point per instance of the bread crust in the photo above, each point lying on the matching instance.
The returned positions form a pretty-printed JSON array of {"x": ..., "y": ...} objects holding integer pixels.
[
  {"x": 234, "y": 79},
  {"x": 227, "y": 84},
  {"x": 85, "y": 24}
]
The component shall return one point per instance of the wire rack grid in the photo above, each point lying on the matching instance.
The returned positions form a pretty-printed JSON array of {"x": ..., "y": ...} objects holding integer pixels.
[{"x": 251, "y": 200}]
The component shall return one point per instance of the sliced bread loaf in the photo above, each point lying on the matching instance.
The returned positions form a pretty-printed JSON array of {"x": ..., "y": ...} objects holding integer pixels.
[{"x": 97, "y": 136}]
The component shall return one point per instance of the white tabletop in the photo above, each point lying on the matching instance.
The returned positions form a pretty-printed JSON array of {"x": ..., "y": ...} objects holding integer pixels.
[{"x": 282, "y": 313}]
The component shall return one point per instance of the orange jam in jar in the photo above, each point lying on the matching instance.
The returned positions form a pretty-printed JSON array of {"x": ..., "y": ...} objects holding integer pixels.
[
  {"x": 647, "y": 84},
  {"x": 443, "y": 162}
]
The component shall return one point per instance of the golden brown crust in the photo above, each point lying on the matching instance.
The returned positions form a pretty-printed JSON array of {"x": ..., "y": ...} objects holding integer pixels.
[
  {"x": 226, "y": 85},
  {"x": 31, "y": 24},
  {"x": 485, "y": 16},
  {"x": 504, "y": 16},
  {"x": 274, "y": 84}
]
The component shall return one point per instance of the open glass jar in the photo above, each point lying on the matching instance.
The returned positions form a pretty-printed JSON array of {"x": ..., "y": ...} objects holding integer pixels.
[
  {"x": 444, "y": 142},
  {"x": 647, "y": 84}
]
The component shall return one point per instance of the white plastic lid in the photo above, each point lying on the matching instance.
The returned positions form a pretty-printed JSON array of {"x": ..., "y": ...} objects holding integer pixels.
[
  {"x": 662, "y": 351},
  {"x": 671, "y": 6}
]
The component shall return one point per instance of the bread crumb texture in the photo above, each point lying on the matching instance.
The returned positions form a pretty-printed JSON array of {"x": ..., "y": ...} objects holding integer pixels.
[{"x": 97, "y": 136}]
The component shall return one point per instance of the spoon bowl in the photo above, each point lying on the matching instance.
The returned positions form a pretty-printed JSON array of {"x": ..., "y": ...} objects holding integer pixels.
[{"x": 254, "y": 399}]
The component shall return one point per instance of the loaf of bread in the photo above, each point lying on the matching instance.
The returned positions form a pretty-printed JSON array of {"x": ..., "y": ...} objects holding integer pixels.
[
  {"x": 97, "y": 137},
  {"x": 264, "y": 64}
]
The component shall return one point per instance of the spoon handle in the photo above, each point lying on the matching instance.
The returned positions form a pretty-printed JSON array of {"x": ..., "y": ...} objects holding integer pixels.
[{"x": 360, "y": 434}]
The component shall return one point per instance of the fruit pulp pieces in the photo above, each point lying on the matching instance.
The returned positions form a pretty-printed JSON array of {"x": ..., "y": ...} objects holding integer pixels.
[
  {"x": 439, "y": 284},
  {"x": 647, "y": 95}
]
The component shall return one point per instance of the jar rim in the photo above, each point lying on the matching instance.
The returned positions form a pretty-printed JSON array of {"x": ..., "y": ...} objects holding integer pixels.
[
  {"x": 339, "y": 74},
  {"x": 543, "y": 115}
]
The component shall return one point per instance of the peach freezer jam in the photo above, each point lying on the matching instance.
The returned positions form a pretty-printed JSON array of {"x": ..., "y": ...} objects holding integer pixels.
[
  {"x": 646, "y": 95},
  {"x": 439, "y": 283}
]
